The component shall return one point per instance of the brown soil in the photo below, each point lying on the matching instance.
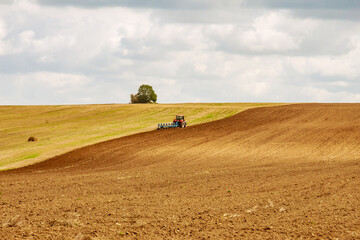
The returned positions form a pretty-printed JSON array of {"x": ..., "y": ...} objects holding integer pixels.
[{"x": 289, "y": 172}]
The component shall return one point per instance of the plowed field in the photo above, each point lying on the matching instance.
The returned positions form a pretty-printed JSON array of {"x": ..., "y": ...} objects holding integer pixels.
[{"x": 288, "y": 172}]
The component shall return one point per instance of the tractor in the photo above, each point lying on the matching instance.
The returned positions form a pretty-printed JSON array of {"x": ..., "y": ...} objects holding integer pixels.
[{"x": 179, "y": 122}]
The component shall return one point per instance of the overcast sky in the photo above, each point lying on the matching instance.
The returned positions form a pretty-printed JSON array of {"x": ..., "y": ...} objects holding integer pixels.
[{"x": 101, "y": 51}]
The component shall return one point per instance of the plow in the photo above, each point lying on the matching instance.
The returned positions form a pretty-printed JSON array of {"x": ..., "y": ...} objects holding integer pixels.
[{"x": 179, "y": 122}]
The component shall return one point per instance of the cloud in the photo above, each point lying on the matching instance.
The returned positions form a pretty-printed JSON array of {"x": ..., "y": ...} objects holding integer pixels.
[
  {"x": 212, "y": 51},
  {"x": 309, "y": 4},
  {"x": 267, "y": 34},
  {"x": 201, "y": 4},
  {"x": 163, "y": 4},
  {"x": 43, "y": 88},
  {"x": 345, "y": 65},
  {"x": 6, "y": 2},
  {"x": 58, "y": 81},
  {"x": 2, "y": 36},
  {"x": 273, "y": 32},
  {"x": 322, "y": 95},
  {"x": 339, "y": 83},
  {"x": 70, "y": 38}
]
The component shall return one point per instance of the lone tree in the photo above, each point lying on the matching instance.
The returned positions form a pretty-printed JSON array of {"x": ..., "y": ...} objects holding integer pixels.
[{"x": 145, "y": 94}]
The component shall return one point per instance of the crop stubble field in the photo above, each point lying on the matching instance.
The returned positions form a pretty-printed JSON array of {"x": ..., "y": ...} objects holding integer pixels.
[{"x": 283, "y": 172}]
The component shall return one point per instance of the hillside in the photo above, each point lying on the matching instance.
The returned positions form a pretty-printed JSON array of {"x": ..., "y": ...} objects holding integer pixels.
[
  {"x": 285, "y": 172},
  {"x": 309, "y": 132},
  {"x": 64, "y": 128}
]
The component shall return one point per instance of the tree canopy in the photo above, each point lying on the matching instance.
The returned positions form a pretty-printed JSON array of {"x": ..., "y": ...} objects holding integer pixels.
[{"x": 145, "y": 94}]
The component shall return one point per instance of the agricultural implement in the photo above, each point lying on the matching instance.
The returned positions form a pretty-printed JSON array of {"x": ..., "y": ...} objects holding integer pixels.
[{"x": 179, "y": 122}]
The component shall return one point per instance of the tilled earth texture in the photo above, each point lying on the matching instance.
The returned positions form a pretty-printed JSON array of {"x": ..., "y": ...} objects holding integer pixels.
[{"x": 288, "y": 172}]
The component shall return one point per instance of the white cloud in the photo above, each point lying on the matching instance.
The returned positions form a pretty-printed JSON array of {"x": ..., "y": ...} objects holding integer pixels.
[
  {"x": 322, "y": 95},
  {"x": 272, "y": 32},
  {"x": 45, "y": 88},
  {"x": 346, "y": 65},
  {"x": 208, "y": 4},
  {"x": 266, "y": 34},
  {"x": 72, "y": 35},
  {"x": 2, "y": 36},
  {"x": 29, "y": 6},
  {"x": 55, "y": 80},
  {"x": 2, "y": 30},
  {"x": 4, "y": 47},
  {"x": 339, "y": 84},
  {"x": 28, "y": 42}
]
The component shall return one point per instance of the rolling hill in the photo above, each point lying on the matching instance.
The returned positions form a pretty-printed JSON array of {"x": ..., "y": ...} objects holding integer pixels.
[
  {"x": 64, "y": 128},
  {"x": 283, "y": 172}
]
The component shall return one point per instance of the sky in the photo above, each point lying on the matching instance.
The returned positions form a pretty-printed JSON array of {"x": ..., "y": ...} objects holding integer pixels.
[{"x": 101, "y": 51}]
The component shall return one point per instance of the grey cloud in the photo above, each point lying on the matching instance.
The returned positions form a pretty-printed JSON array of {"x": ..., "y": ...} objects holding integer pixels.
[
  {"x": 162, "y": 4},
  {"x": 210, "y": 16},
  {"x": 26, "y": 63},
  {"x": 201, "y": 4},
  {"x": 6, "y": 2},
  {"x": 323, "y": 41},
  {"x": 308, "y": 4},
  {"x": 351, "y": 14},
  {"x": 210, "y": 11}
]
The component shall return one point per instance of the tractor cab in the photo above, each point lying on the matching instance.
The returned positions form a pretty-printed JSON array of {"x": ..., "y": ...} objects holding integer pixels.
[{"x": 179, "y": 118}]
